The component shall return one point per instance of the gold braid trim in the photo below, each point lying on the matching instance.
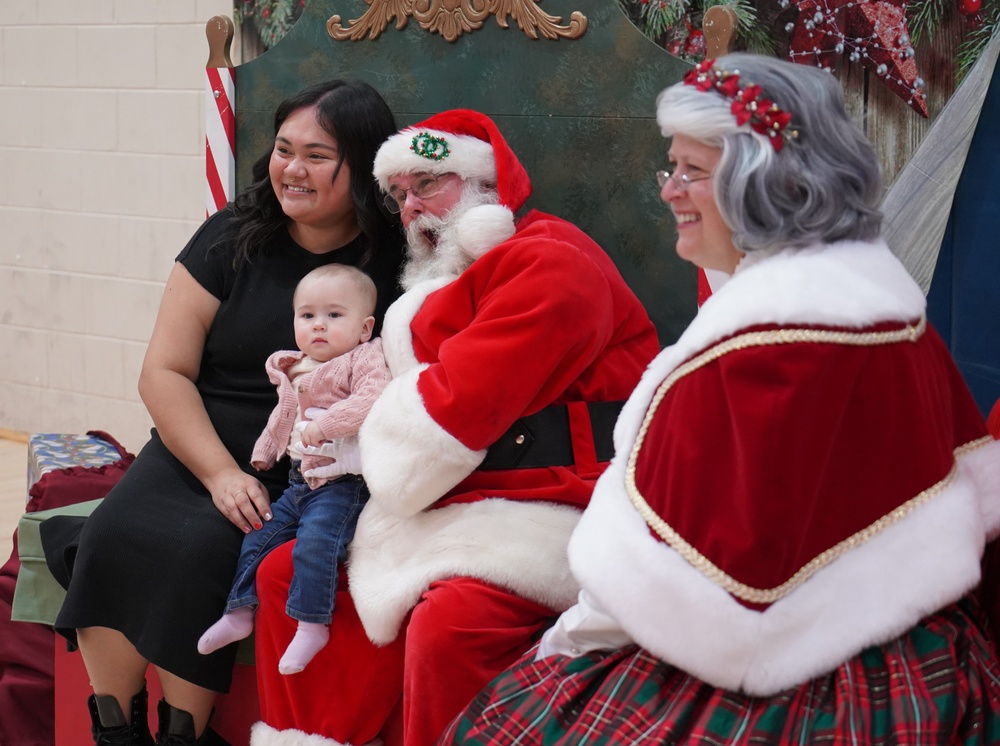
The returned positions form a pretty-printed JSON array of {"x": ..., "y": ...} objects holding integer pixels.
[
  {"x": 973, "y": 445},
  {"x": 757, "y": 339}
]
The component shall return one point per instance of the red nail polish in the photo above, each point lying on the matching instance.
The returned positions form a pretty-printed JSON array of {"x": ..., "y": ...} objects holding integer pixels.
[{"x": 257, "y": 526}]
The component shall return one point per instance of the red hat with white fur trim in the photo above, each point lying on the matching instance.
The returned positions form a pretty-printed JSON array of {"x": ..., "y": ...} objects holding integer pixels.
[{"x": 467, "y": 143}]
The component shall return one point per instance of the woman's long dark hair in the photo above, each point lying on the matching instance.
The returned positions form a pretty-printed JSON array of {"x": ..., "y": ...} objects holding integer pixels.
[{"x": 358, "y": 118}]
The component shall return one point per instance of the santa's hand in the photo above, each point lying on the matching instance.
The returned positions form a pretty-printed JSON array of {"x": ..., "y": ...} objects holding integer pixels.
[
  {"x": 346, "y": 453},
  {"x": 328, "y": 471},
  {"x": 327, "y": 449}
]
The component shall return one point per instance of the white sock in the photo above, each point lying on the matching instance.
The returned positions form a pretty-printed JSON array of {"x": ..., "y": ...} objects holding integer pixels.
[
  {"x": 233, "y": 626},
  {"x": 309, "y": 639}
]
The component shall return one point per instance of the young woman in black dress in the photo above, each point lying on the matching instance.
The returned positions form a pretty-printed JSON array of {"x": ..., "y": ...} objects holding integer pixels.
[{"x": 156, "y": 559}]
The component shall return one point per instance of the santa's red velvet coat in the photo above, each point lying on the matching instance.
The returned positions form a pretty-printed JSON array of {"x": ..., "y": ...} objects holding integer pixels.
[
  {"x": 469, "y": 356},
  {"x": 803, "y": 475}
]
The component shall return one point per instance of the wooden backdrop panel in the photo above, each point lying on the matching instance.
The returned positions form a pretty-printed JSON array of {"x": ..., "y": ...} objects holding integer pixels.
[
  {"x": 579, "y": 113},
  {"x": 894, "y": 128}
]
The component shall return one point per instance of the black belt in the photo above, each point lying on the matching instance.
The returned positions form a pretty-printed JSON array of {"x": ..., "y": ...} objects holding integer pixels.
[{"x": 543, "y": 439}]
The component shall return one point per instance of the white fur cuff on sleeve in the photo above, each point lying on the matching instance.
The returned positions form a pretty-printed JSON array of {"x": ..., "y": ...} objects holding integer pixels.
[{"x": 409, "y": 460}]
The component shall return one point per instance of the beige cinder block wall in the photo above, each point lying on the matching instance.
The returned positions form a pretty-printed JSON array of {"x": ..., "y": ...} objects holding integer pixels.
[{"x": 102, "y": 181}]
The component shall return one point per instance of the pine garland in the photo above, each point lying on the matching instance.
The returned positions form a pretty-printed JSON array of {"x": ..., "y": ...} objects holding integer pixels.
[
  {"x": 272, "y": 18},
  {"x": 671, "y": 23},
  {"x": 925, "y": 17},
  {"x": 753, "y": 24},
  {"x": 974, "y": 44}
]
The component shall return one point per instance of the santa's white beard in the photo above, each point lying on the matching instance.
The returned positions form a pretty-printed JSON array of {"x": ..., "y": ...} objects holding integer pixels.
[{"x": 432, "y": 250}]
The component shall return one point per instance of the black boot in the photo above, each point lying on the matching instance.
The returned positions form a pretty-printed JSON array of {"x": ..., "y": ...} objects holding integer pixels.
[
  {"x": 177, "y": 729},
  {"x": 108, "y": 721}
]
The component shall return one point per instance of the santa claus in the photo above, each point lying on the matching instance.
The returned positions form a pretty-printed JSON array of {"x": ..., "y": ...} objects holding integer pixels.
[{"x": 511, "y": 351}]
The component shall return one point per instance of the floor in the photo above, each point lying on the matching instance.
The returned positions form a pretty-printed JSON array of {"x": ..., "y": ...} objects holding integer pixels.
[{"x": 13, "y": 490}]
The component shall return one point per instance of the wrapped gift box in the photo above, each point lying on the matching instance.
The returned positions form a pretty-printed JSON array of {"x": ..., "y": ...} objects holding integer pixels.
[{"x": 48, "y": 451}]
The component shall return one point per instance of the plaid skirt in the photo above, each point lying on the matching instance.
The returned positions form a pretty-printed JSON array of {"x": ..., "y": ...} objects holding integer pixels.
[{"x": 937, "y": 684}]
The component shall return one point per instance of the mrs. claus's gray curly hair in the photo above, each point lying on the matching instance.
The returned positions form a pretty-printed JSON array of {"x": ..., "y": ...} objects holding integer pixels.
[{"x": 823, "y": 186}]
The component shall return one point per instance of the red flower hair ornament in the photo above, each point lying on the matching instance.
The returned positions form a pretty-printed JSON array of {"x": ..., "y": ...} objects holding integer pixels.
[{"x": 748, "y": 105}]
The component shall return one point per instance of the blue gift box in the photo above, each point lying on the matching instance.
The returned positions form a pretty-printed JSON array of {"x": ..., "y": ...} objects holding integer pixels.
[{"x": 48, "y": 451}]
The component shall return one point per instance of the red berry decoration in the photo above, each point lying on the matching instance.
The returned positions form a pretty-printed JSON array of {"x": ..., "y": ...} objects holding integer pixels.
[
  {"x": 266, "y": 13},
  {"x": 970, "y": 7},
  {"x": 695, "y": 46}
]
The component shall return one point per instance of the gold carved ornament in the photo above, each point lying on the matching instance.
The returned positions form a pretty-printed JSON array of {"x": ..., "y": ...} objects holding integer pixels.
[{"x": 452, "y": 18}]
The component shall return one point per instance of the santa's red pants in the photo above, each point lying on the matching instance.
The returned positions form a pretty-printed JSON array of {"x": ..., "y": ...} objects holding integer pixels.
[{"x": 461, "y": 634}]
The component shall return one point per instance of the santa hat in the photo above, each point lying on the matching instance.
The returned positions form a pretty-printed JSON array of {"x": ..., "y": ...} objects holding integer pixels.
[{"x": 467, "y": 143}]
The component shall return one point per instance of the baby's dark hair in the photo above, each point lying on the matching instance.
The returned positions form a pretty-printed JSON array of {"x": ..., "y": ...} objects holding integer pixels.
[{"x": 364, "y": 283}]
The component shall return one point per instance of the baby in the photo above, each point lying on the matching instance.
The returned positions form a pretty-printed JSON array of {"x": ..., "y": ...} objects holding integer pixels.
[{"x": 324, "y": 393}]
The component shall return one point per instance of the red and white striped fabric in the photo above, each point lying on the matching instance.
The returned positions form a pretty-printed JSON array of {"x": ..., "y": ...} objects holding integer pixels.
[{"x": 220, "y": 137}]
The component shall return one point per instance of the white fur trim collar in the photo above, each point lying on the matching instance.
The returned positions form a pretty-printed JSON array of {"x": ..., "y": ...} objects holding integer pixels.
[
  {"x": 849, "y": 284},
  {"x": 397, "y": 340}
]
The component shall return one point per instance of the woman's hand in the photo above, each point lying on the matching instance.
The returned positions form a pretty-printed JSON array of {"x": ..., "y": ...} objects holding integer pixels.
[{"x": 241, "y": 498}]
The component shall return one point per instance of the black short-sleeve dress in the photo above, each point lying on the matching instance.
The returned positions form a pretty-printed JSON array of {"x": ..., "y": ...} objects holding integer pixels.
[{"x": 156, "y": 558}]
